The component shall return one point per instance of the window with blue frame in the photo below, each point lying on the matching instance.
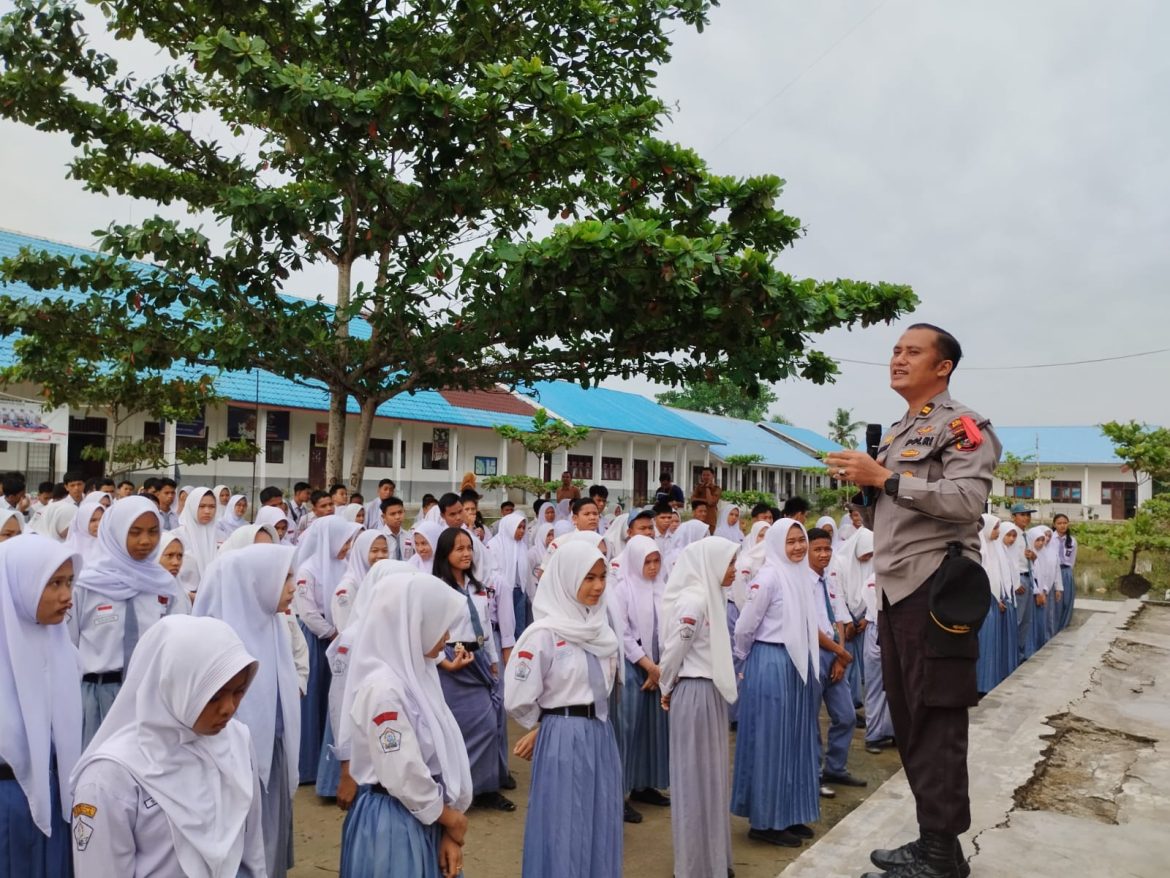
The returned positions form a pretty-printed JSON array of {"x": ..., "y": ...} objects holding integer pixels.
[{"x": 1021, "y": 490}]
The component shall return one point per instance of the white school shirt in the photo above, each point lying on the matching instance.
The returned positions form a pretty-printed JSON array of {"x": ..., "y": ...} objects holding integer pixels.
[
  {"x": 871, "y": 603},
  {"x": 402, "y": 538},
  {"x": 341, "y": 605},
  {"x": 170, "y": 519},
  {"x": 550, "y": 672},
  {"x": 307, "y": 609},
  {"x": 396, "y": 758},
  {"x": 464, "y": 632},
  {"x": 824, "y": 623},
  {"x": 686, "y": 644},
  {"x": 120, "y": 832},
  {"x": 636, "y": 643},
  {"x": 300, "y": 650},
  {"x": 762, "y": 615},
  {"x": 97, "y": 625}
]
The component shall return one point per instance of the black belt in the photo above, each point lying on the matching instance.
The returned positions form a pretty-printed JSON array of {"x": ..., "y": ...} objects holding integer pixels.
[
  {"x": 6, "y": 772},
  {"x": 585, "y": 710},
  {"x": 468, "y": 645},
  {"x": 107, "y": 677},
  {"x": 379, "y": 789},
  {"x": 1065, "y": 566}
]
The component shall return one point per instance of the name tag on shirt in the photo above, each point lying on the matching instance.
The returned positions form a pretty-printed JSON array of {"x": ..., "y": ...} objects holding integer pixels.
[{"x": 104, "y": 615}]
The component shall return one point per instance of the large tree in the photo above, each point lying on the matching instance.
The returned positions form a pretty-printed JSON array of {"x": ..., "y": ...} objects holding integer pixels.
[
  {"x": 428, "y": 147},
  {"x": 721, "y": 397}
]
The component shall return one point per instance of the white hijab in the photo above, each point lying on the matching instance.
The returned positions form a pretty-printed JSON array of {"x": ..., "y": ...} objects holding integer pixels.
[
  {"x": 203, "y": 783},
  {"x": 430, "y": 531},
  {"x": 200, "y": 541},
  {"x": 698, "y": 577},
  {"x": 6, "y": 514},
  {"x": 110, "y": 571},
  {"x": 688, "y": 532},
  {"x": 357, "y": 562},
  {"x": 246, "y": 536},
  {"x": 846, "y": 528},
  {"x": 79, "y": 541},
  {"x": 725, "y": 528},
  {"x": 749, "y": 561},
  {"x": 1045, "y": 569},
  {"x": 574, "y": 536},
  {"x": 795, "y": 579},
  {"x": 615, "y": 534},
  {"x": 401, "y": 625},
  {"x": 40, "y": 678},
  {"x": 220, "y": 508},
  {"x": 641, "y": 595},
  {"x": 57, "y": 518},
  {"x": 243, "y": 588},
  {"x": 852, "y": 572},
  {"x": 510, "y": 555},
  {"x": 826, "y": 522},
  {"x": 316, "y": 554},
  {"x": 272, "y": 516},
  {"x": 350, "y": 511},
  {"x": 557, "y": 609},
  {"x": 230, "y": 521}
]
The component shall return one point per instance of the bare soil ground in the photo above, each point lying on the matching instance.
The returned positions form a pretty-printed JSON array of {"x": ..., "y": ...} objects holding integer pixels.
[{"x": 495, "y": 840}]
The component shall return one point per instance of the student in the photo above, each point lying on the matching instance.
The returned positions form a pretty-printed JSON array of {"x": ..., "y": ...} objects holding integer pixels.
[
  {"x": 776, "y": 752},
  {"x": 728, "y": 524},
  {"x": 1066, "y": 553},
  {"x": 13, "y": 493},
  {"x": 125, "y": 488},
  {"x": 424, "y": 538},
  {"x": 369, "y": 547},
  {"x": 354, "y": 512},
  {"x": 170, "y": 554},
  {"x": 663, "y": 519},
  {"x": 646, "y": 729},
  {"x": 197, "y": 529},
  {"x": 852, "y": 563},
  {"x": 1022, "y": 555},
  {"x": 74, "y": 486},
  {"x": 11, "y": 524},
  {"x": 276, "y": 518},
  {"x": 57, "y": 518},
  {"x": 748, "y": 563},
  {"x": 116, "y": 599},
  {"x": 170, "y": 786},
  {"x": 250, "y": 589},
  {"x": 1010, "y": 657},
  {"x": 406, "y": 746},
  {"x": 850, "y": 523},
  {"x": 835, "y": 661},
  {"x": 374, "y": 507},
  {"x": 688, "y": 532},
  {"x": 564, "y": 669},
  {"x": 234, "y": 517},
  {"x": 319, "y": 565},
  {"x": 879, "y": 725},
  {"x": 616, "y": 535},
  {"x": 545, "y": 512},
  {"x": 796, "y": 508},
  {"x": 166, "y": 499},
  {"x": 1044, "y": 579},
  {"x": 509, "y": 555},
  {"x": 701, "y": 512},
  {"x": 761, "y": 512},
  {"x": 40, "y": 706},
  {"x": 469, "y": 668},
  {"x": 994, "y": 639},
  {"x": 339, "y": 493},
  {"x": 388, "y": 521},
  {"x": 829, "y": 526},
  {"x": 599, "y": 494},
  {"x": 298, "y": 506},
  {"x": 544, "y": 537},
  {"x": 697, "y": 684}
]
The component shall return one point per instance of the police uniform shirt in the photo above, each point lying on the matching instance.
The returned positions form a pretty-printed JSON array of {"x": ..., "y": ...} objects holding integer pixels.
[
  {"x": 397, "y": 761},
  {"x": 941, "y": 493},
  {"x": 686, "y": 643},
  {"x": 549, "y": 672},
  {"x": 97, "y": 625},
  {"x": 119, "y": 831},
  {"x": 762, "y": 615}
]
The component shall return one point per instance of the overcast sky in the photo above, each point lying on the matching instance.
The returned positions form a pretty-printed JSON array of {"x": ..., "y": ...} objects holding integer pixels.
[{"x": 1010, "y": 161}]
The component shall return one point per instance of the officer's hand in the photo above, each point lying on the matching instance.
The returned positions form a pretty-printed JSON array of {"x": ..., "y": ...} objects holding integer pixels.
[{"x": 856, "y": 467}]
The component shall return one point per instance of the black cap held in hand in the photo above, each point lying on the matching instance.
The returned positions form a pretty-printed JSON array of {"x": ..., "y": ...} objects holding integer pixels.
[{"x": 960, "y": 596}]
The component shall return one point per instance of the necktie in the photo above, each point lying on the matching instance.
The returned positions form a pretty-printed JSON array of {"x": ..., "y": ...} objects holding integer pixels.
[
  {"x": 474, "y": 613},
  {"x": 828, "y": 606},
  {"x": 597, "y": 684},
  {"x": 397, "y": 546},
  {"x": 129, "y": 635},
  {"x": 654, "y": 653}
]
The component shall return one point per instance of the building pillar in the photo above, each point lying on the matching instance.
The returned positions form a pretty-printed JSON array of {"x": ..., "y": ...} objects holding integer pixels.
[
  {"x": 653, "y": 477},
  {"x": 170, "y": 445},
  {"x": 628, "y": 473},
  {"x": 453, "y": 460},
  {"x": 502, "y": 466},
  {"x": 598, "y": 453},
  {"x": 399, "y": 463},
  {"x": 262, "y": 444}
]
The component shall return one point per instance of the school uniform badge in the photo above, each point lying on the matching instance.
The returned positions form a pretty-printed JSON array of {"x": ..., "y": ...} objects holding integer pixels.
[
  {"x": 389, "y": 740},
  {"x": 82, "y": 833},
  {"x": 523, "y": 669}
]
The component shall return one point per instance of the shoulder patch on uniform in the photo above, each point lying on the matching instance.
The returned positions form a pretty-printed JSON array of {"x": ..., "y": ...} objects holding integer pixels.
[
  {"x": 909, "y": 452},
  {"x": 523, "y": 669},
  {"x": 687, "y": 620},
  {"x": 525, "y": 654},
  {"x": 560, "y": 643},
  {"x": 82, "y": 833},
  {"x": 385, "y": 717},
  {"x": 163, "y": 599},
  {"x": 925, "y": 431},
  {"x": 82, "y": 809},
  {"x": 390, "y": 740},
  {"x": 926, "y": 409}
]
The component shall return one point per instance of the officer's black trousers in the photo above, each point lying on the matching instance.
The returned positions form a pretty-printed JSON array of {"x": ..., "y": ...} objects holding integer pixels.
[{"x": 928, "y": 697}]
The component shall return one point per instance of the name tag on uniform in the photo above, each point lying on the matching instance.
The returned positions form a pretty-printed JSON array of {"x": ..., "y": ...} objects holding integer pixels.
[{"x": 104, "y": 615}]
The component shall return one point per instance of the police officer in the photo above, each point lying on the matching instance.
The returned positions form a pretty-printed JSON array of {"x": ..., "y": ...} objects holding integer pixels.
[{"x": 928, "y": 486}]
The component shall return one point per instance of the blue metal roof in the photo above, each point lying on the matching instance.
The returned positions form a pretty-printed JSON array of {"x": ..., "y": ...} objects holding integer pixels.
[
  {"x": 808, "y": 438},
  {"x": 745, "y": 437},
  {"x": 605, "y": 409},
  {"x": 1059, "y": 445}
]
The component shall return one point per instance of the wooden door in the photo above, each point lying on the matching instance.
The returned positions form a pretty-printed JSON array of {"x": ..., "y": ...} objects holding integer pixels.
[
  {"x": 316, "y": 464},
  {"x": 641, "y": 481}
]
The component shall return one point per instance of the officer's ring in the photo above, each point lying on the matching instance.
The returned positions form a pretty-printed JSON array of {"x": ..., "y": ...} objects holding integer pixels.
[{"x": 841, "y": 471}]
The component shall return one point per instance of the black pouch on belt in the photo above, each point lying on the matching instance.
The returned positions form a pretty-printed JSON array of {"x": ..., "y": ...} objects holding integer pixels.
[{"x": 960, "y": 596}]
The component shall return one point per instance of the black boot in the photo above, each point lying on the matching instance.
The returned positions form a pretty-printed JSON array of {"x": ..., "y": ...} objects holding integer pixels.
[{"x": 933, "y": 855}]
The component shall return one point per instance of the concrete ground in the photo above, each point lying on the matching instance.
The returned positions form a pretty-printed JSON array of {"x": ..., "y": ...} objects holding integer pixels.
[
  {"x": 1068, "y": 760},
  {"x": 495, "y": 840}
]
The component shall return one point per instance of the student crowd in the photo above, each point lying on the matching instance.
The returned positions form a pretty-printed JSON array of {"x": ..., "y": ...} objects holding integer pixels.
[{"x": 175, "y": 668}]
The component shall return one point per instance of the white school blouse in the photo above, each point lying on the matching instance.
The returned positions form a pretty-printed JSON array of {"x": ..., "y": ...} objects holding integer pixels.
[
  {"x": 300, "y": 650},
  {"x": 686, "y": 644},
  {"x": 396, "y": 758},
  {"x": 762, "y": 615},
  {"x": 119, "y": 831},
  {"x": 97, "y": 625},
  {"x": 309, "y": 610},
  {"x": 464, "y": 632},
  {"x": 550, "y": 672}
]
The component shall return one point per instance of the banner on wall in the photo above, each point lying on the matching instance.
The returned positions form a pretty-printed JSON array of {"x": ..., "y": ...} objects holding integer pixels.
[
  {"x": 242, "y": 424},
  {"x": 23, "y": 421},
  {"x": 440, "y": 439}
]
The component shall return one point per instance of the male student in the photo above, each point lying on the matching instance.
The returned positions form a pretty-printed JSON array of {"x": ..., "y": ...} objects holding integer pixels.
[
  {"x": 374, "y": 507},
  {"x": 391, "y": 514}
]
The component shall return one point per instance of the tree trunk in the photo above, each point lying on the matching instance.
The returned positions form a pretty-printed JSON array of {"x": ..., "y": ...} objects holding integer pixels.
[
  {"x": 338, "y": 398},
  {"x": 361, "y": 443}
]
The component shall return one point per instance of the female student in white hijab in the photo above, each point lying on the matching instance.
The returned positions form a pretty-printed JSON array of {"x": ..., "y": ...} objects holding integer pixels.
[
  {"x": 997, "y": 636},
  {"x": 728, "y": 526},
  {"x": 197, "y": 529},
  {"x": 848, "y": 572},
  {"x": 11, "y": 524},
  {"x": 688, "y": 532},
  {"x": 40, "y": 706},
  {"x": 353, "y": 512},
  {"x": 55, "y": 521},
  {"x": 234, "y": 517},
  {"x": 424, "y": 536},
  {"x": 775, "y": 782},
  {"x": 645, "y": 726},
  {"x": 406, "y": 748},
  {"x": 509, "y": 553},
  {"x": 83, "y": 530},
  {"x": 278, "y": 520},
  {"x": 563, "y": 669},
  {"x": 222, "y": 494},
  {"x": 170, "y": 785},
  {"x": 697, "y": 684},
  {"x": 249, "y": 589},
  {"x": 119, "y": 595},
  {"x": 827, "y": 524},
  {"x": 615, "y": 535},
  {"x": 319, "y": 566},
  {"x": 1045, "y": 582},
  {"x": 747, "y": 565},
  {"x": 536, "y": 552}
]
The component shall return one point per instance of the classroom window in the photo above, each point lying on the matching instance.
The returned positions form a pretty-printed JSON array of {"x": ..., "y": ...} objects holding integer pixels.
[
  {"x": 611, "y": 469},
  {"x": 1066, "y": 492},
  {"x": 485, "y": 466},
  {"x": 274, "y": 451},
  {"x": 428, "y": 460},
  {"x": 581, "y": 466},
  {"x": 1021, "y": 490},
  {"x": 380, "y": 453},
  {"x": 152, "y": 431}
]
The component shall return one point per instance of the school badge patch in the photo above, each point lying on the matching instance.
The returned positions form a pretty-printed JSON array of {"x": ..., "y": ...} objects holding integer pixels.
[
  {"x": 82, "y": 833},
  {"x": 523, "y": 669},
  {"x": 83, "y": 810},
  {"x": 389, "y": 740}
]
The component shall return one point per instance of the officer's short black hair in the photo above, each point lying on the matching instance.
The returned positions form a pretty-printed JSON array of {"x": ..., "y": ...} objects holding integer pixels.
[
  {"x": 947, "y": 345},
  {"x": 794, "y": 506},
  {"x": 818, "y": 533}
]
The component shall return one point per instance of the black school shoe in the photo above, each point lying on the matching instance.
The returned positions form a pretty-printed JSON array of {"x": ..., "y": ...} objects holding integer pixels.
[
  {"x": 508, "y": 783},
  {"x": 629, "y": 815},
  {"x": 800, "y": 830},
  {"x": 912, "y": 859},
  {"x": 780, "y": 837},
  {"x": 844, "y": 779},
  {"x": 493, "y": 800},
  {"x": 650, "y": 796},
  {"x": 879, "y": 744}
]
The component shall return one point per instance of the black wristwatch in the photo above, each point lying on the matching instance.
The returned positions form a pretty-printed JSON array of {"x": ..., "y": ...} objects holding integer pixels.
[{"x": 892, "y": 483}]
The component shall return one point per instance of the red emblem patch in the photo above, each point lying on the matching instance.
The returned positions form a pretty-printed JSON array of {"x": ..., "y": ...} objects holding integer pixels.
[
  {"x": 342, "y": 650},
  {"x": 560, "y": 643},
  {"x": 525, "y": 654},
  {"x": 385, "y": 717},
  {"x": 342, "y": 591},
  {"x": 687, "y": 620},
  {"x": 163, "y": 599},
  {"x": 104, "y": 607}
]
